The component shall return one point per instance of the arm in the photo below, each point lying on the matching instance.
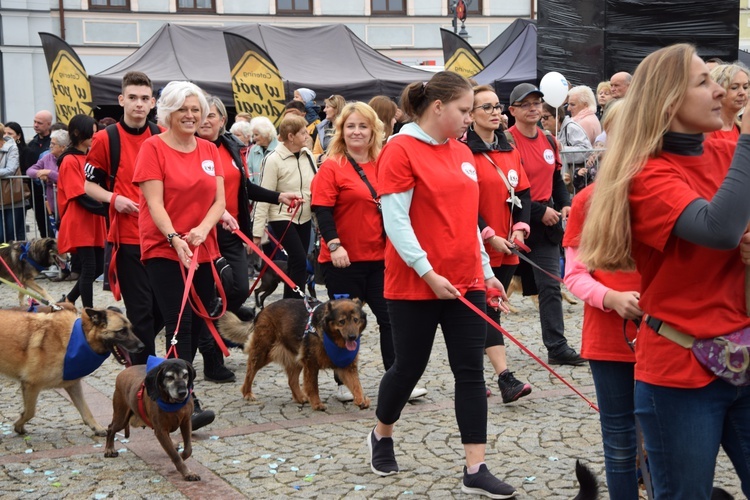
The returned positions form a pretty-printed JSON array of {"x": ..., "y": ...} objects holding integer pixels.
[
  {"x": 33, "y": 171},
  {"x": 326, "y": 223},
  {"x": 11, "y": 162},
  {"x": 559, "y": 191},
  {"x": 720, "y": 223},
  {"x": 258, "y": 193}
]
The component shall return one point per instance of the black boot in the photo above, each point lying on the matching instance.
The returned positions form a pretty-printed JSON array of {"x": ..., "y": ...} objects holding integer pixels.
[
  {"x": 200, "y": 417},
  {"x": 214, "y": 369}
]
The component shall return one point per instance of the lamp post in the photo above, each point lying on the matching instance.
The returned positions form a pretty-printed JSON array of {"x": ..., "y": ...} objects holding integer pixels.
[{"x": 458, "y": 9}]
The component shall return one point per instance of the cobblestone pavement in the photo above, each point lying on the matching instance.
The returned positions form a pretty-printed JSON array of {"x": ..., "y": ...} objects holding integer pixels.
[{"x": 275, "y": 448}]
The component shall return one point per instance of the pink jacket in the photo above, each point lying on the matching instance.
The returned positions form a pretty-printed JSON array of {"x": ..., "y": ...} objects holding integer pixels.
[{"x": 590, "y": 123}]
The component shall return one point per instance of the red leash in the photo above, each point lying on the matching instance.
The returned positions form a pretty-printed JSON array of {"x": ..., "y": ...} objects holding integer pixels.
[
  {"x": 278, "y": 246},
  {"x": 197, "y": 305},
  {"x": 525, "y": 349},
  {"x": 269, "y": 262}
]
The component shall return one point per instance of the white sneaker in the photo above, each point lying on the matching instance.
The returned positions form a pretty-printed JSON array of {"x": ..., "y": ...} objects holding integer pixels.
[
  {"x": 418, "y": 392},
  {"x": 343, "y": 394}
]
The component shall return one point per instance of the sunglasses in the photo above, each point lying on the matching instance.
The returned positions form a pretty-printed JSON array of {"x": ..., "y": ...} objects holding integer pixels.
[
  {"x": 546, "y": 117},
  {"x": 489, "y": 108}
]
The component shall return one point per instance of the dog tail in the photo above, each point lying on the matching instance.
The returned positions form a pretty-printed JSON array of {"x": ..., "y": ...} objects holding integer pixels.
[
  {"x": 589, "y": 489},
  {"x": 234, "y": 329}
]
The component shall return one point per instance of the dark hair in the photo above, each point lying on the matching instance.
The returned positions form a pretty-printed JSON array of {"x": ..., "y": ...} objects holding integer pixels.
[
  {"x": 299, "y": 106},
  {"x": 15, "y": 127},
  {"x": 58, "y": 126},
  {"x": 445, "y": 86},
  {"x": 104, "y": 122},
  {"x": 136, "y": 78},
  {"x": 80, "y": 128}
]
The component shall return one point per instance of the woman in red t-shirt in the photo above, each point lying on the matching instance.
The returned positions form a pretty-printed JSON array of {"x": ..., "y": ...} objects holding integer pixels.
[
  {"x": 82, "y": 225},
  {"x": 347, "y": 208},
  {"x": 504, "y": 207},
  {"x": 182, "y": 199},
  {"x": 433, "y": 255},
  {"x": 735, "y": 79},
  {"x": 676, "y": 207}
]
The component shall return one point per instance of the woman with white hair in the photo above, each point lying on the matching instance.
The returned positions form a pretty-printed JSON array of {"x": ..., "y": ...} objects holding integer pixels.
[
  {"x": 182, "y": 182},
  {"x": 582, "y": 108},
  {"x": 265, "y": 139},
  {"x": 242, "y": 131},
  {"x": 46, "y": 168}
]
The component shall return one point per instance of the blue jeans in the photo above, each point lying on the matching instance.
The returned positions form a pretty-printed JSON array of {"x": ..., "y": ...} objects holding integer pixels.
[
  {"x": 683, "y": 429},
  {"x": 614, "y": 392},
  {"x": 13, "y": 227}
]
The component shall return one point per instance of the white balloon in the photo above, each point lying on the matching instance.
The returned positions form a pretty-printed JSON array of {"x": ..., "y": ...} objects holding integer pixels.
[{"x": 554, "y": 86}]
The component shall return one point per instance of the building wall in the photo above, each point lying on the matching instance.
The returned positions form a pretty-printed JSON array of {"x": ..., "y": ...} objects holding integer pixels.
[
  {"x": 102, "y": 38},
  {"x": 745, "y": 25}
]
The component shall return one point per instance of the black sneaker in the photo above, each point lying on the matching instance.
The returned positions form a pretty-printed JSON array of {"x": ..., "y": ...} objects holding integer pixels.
[
  {"x": 567, "y": 357},
  {"x": 200, "y": 417},
  {"x": 512, "y": 389},
  {"x": 484, "y": 483},
  {"x": 382, "y": 457}
]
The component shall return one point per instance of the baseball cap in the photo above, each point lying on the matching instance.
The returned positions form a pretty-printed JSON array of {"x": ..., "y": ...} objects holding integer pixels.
[{"x": 522, "y": 90}]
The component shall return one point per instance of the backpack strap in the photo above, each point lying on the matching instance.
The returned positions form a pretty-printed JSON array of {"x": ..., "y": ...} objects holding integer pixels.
[{"x": 114, "y": 149}]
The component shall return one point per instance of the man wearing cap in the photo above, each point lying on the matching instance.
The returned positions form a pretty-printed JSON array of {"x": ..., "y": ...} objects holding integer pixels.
[{"x": 550, "y": 204}]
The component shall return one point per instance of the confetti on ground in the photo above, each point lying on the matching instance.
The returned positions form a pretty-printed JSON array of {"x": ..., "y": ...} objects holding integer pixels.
[
  {"x": 358, "y": 487},
  {"x": 272, "y": 471},
  {"x": 97, "y": 445},
  {"x": 101, "y": 496},
  {"x": 316, "y": 457},
  {"x": 56, "y": 485},
  {"x": 122, "y": 450},
  {"x": 267, "y": 455},
  {"x": 408, "y": 492},
  {"x": 75, "y": 472},
  {"x": 156, "y": 480},
  {"x": 309, "y": 478},
  {"x": 530, "y": 479},
  {"x": 214, "y": 438},
  {"x": 294, "y": 469},
  {"x": 273, "y": 466},
  {"x": 282, "y": 460},
  {"x": 553, "y": 459},
  {"x": 28, "y": 471},
  {"x": 296, "y": 487},
  {"x": 49, "y": 472},
  {"x": 236, "y": 462},
  {"x": 29, "y": 451}
]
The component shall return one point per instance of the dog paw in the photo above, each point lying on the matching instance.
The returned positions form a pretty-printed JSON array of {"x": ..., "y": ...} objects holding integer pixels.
[
  {"x": 364, "y": 404},
  {"x": 20, "y": 429},
  {"x": 100, "y": 432},
  {"x": 249, "y": 396},
  {"x": 191, "y": 476},
  {"x": 319, "y": 407},
  {"x": 111, "y": 454}
]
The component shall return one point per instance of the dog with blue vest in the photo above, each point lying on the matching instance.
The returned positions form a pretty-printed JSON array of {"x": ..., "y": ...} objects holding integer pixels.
[
  {"x": 28, "y": 259},
  {"x": 304, "y": 336}
]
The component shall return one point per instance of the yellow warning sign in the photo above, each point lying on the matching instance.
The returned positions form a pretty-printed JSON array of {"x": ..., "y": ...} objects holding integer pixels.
[{"x": 464, "y": 63}]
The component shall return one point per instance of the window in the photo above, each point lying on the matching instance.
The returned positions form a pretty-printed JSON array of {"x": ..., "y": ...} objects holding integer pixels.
[
  {"x": 391, "y": 7},
  {"x": 196, "y": 6},
  {"x": 109, "y": 4},
  {"x": 294, "y": 6},
  {"x": 473, "y": 7}
]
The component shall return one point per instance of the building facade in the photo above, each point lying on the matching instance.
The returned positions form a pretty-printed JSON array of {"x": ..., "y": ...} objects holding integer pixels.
[{"x": 103, "y": 32}]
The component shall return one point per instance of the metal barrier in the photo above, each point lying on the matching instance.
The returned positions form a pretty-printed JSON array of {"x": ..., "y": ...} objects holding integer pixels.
[
  {"x": 576, "y": 159},
  {"x": 23, "y": 209}
]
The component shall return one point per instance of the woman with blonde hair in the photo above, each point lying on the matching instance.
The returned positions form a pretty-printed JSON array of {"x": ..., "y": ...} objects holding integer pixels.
[
  {"x": 735, "y": 78},
  {"x": 676, "y": 207},
  {"x": 603, "y": 96},
  {"x": 322, "y": 132}
]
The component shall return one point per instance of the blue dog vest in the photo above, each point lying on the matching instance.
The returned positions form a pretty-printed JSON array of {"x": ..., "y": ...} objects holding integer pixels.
[
  {"x": 80, "y": 359},
  {"x": 340, "y": 356}
]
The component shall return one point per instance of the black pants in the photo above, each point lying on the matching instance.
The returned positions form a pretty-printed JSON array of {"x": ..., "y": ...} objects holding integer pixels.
[
  {"x": 92, "y": 265},
  {"x": 40, "y": 209},
  {"x": 414, "y": 325},
  {"x": 168, "y": 285},
  {"x": 140, "y": 303},
  {"x": 296, "y": 242},
  {"x": 234, "y": 252},
  {"x": 364, "y": 281}
]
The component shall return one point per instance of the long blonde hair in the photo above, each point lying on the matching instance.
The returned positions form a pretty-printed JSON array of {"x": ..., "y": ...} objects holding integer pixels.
[
  {"x": 656, "y": 92},
  {"x": 337, "y": 147}
]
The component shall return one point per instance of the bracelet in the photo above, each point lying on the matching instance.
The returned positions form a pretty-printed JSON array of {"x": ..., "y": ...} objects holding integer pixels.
[{"x": 170, "y": 236}]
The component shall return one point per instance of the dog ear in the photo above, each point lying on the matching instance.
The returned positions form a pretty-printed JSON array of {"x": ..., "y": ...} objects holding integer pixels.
[
  {"x": 97, "y": 316},
  {"x": 191, "y": 374},
  {"x": 153, "y": 382},
  {"x": 115, "y": 309}
]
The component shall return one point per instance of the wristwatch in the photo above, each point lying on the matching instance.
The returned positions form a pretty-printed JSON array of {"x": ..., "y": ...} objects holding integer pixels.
[{"x": 333, "y": 246}]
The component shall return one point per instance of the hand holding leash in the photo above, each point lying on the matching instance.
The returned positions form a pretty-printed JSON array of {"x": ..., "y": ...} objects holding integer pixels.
[
  {"x": 290, "y": 199},
  {"x": 624, "y": 303},
  {"x": 496, "y": 296},
  {"x": 500, "y": 244},
  {"x": 441, "y": 286},
  {"x": 228, "y": 222},
  {"x": 124, "y": 205}
]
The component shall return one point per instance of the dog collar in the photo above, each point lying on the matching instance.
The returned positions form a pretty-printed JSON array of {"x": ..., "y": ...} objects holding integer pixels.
[
  {"x": 25, "y": 256},
  {"x": 80, "y": 359},
  {"x": 340, "y": 356}
]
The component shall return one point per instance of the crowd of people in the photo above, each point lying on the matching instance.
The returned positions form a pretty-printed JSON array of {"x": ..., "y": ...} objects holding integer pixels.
[{"x": 668, "y": 195}]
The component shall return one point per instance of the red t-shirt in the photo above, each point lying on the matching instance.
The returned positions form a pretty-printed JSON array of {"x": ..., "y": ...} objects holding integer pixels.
[
  {"x": 729, "y": 135},
  {"x": 697, "y": 290},
  {"x": 444, "y": 214},
  {"x": 602, "y": 337},
  {"x": 232, "y": 176},
  {"x": 78, "y": 226},
  {"x": 539, "y": 161},
  {"x": 358, "y": 220},
  {"x": 493, "y": 195},
  {"x": 189, "y": 191},
  {"x": 98, "y": 157}
]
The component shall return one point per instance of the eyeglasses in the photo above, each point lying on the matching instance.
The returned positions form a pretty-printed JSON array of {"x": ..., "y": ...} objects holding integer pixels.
[
  {"x": 546, "y": 117},
  {"x": 528, "y": 105},
  {"x": 489, "y": 108}
]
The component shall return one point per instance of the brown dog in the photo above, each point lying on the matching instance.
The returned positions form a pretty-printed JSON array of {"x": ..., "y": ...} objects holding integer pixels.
[
  {"x": 278, "y": 334},
  {"x": 26, "y": 259},
  {"x": 34, "y": 348},
  {"x": 168, "y": 384},
  {"x": 517, "y": 286}
]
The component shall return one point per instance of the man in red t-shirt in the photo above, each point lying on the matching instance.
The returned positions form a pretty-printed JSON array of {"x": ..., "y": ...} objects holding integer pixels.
[
  {"x": 137, "y": 100},
  {"x": 550, "y": 202}
]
